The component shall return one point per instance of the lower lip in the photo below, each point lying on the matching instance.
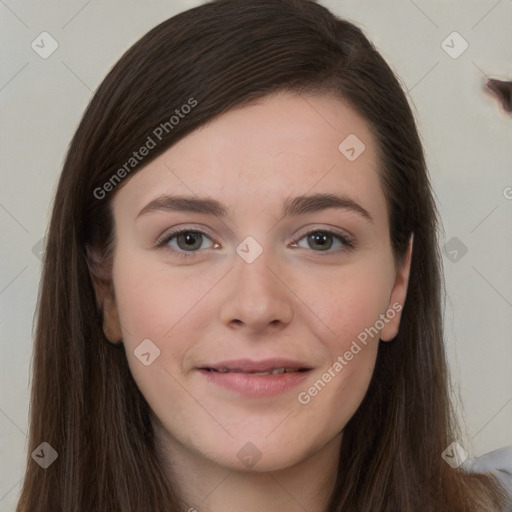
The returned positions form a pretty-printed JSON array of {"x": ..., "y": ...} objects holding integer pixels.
[{"x": 255, "y": 385}]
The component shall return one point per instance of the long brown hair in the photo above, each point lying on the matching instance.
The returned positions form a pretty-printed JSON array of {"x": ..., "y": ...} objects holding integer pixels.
[{"x": 85, "y": 403}]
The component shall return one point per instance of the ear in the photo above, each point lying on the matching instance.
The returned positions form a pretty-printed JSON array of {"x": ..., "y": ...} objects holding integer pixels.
[
  {"x": 101, "y": 275},
  {"x": 397, "y": 298}
]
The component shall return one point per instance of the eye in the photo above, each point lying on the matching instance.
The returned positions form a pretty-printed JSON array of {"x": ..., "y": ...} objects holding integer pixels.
[
  {"x": 186, "y": 244},
  {"x": 322, "y": 241}
]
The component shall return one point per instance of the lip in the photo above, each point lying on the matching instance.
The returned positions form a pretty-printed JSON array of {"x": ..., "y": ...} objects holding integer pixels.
[
  {"x": 240, "y": 379},
  {"x": 249, "y": 365}
]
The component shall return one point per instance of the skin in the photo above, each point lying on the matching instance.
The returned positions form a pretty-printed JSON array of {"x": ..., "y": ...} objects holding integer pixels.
[{"x": 296, "y": 301}]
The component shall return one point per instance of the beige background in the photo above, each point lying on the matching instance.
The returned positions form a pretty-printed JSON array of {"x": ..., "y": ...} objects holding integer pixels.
[{"x": 467, "y": 138}]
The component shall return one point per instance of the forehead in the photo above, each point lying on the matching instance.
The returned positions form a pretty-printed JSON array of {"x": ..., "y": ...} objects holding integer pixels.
[
  {"x": 277, "y": 147},
  {"x": 293, "y": 127}
]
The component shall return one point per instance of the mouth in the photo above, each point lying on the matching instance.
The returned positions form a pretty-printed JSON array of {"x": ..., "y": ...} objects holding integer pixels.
[
  {"x": 256, "y": 378},
  {"x": 269, "y": 366},
  {"x": 271, "y": 371}
]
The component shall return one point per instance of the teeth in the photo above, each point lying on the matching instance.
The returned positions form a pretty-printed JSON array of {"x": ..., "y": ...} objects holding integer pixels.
[{"x": 275, "y": 371}]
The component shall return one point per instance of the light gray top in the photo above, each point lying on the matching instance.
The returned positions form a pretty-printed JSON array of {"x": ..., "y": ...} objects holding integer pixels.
[{"x": 499, "y": 463}]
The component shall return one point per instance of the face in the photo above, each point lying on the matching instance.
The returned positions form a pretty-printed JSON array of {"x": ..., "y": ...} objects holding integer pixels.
[{"x": 267, "y": 280}]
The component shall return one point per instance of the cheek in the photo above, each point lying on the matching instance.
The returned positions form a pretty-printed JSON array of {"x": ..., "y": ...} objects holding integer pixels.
[
  {"x": 156, "y": 304},
  {"x": 348, "y": 304},
  {"x": 153, "y": 300},
  {"x": 167, "y": 306}
]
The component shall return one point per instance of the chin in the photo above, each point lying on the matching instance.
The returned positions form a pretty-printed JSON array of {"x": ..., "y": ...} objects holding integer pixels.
[{"x": 260, "y": 455}]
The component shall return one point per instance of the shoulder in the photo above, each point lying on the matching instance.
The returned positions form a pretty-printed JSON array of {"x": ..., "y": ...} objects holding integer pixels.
[{"x": 498, "y": 462}]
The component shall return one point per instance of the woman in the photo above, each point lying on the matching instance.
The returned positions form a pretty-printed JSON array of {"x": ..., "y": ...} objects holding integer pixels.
[{"x": 241, "y": 296}]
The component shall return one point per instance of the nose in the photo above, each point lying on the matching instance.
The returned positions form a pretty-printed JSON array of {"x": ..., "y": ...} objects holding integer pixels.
[{"x": 257, "y": 297}]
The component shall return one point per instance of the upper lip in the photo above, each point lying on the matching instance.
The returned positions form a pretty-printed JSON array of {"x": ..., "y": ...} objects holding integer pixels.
[{"x": 249, "y": 365}]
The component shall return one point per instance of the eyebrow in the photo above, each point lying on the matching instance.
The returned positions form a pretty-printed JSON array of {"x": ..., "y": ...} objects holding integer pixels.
[{"x": 298, "y": 205}]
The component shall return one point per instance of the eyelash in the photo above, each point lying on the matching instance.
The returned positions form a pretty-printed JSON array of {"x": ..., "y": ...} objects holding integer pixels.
[{"x": 162, "y": 242}]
